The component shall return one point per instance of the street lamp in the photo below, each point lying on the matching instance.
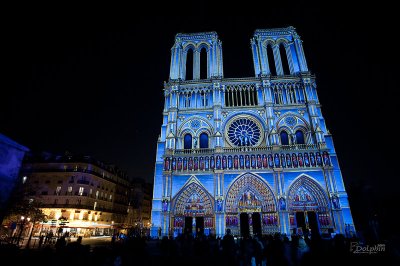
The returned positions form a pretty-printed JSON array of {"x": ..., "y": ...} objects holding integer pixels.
[
  {"x": 30, "y": 232},
  {"x": 21, "y": 228}
]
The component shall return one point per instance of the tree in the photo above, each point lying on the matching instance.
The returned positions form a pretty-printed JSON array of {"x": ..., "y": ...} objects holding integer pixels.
[{"x": 22, "y": 203}]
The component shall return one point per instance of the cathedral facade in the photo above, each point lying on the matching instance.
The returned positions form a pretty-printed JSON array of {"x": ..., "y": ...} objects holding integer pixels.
[{"x": 253, "y": 154}]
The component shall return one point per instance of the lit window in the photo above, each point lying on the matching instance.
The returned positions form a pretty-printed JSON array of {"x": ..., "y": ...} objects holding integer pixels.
[
  {"x": 110, "y": 197},
  {"x": 58, "y": 189},
  {"x": 97, "y": 194},
  {"x": 69, "y": 189},
  {"x": 81, "y": 189},
  {"x": 187, "y": 141},
  {"x": 90, "y": 191},
  {"x": 95, "y": 205},
  {"x": 299, "y": 137},
  {"x": 24, "y": 179},
  {"x": 284, "y": 138}
]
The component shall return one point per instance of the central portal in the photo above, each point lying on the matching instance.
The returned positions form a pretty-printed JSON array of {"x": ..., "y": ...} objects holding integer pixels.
[
  {"x": 199, "y": 226},
  {"x": 194, "y": 225},
  {"x": 307, "y": 220},
  {"x": 188, "y": 225},
  {"x": 244, "y": 225},
  {"x": 250, "y": 224}
]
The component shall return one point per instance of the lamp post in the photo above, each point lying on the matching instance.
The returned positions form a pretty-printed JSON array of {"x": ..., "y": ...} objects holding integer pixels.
[
  {"x": 30, "y": 234},
  {"x": 22, "y": 227}
]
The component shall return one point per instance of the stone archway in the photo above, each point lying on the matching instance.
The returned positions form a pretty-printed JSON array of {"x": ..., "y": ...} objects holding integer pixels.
[
  {"x": 193, "y": 204},
  {"x": 308, "y": 206},
  {"x": 252, "y": 195}
]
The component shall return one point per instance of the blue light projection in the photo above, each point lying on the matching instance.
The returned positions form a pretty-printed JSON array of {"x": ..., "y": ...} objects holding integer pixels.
[
  {"x": 270, "y": 158},
  {"x": 244, "y": 132}
]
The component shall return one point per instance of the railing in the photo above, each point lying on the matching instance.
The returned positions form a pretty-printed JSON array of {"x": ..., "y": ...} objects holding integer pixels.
[
  {"x": 299, "y": 147},
  {"x": 195, "y": 151},
  {"x": 269, "y": 157},
  {"x": 247, "y": 149}
]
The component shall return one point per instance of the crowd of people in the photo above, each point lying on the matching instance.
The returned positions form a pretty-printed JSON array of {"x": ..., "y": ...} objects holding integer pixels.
[{"x": 266, "y": 250}]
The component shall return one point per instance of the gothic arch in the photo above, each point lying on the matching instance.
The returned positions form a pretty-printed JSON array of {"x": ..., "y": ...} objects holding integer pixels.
[
  {"x": 303, "y": 130},
  {"x": 185, "y": 62},
  {"x": 267, "y": 42},
  {"x": 193, "y": 200},
  {"x": 188, "y": 46},
  {"x": 207, "y": 133},
  {"x": 284, "y": 41},
  {"x": 300, "y": 122},
  {"x": 202, "y": 45},
  {"x": 186, "y": 131},
  {"x": 255, "y": 186},
  {"x": 186, "y": 126},
  {"x": 305, "y": 193}
]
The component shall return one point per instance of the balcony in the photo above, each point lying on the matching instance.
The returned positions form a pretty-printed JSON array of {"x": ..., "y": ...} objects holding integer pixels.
[
  {"x": 246, "y": 149},
  {"x": 261, "y": 158},
  {"x": 193, "y": 151}
]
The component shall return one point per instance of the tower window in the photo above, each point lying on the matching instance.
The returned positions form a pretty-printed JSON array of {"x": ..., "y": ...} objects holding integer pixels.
[
  {"x": 284, "y": 61},
  {"x": 284, "y": 138},
  {"x": 189, "y": 65},
  {"x": 271, "y": 60},
  {"x": 300, "y": 137},
  {"x": 203, "y": 140},
  {"x": 187, "y": 141},
  {"x": 203, "y": 63}
]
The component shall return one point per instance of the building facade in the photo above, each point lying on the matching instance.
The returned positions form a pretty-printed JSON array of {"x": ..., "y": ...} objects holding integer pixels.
[
  {"x": 252, "y": 155},
  {"x": 79, "y": 194}
]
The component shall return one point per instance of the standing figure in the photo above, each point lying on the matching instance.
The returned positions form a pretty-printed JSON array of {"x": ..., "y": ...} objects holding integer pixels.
[{"x": 282, "y": 204}]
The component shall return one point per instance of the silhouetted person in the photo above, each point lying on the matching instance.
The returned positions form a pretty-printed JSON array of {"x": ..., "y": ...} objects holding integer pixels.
[
  {"x": 41, "y": 239},
  {"x": 228, "y": 248},
  {"x": 258, "y": 250},
  {"x": 60, "y": 244}
]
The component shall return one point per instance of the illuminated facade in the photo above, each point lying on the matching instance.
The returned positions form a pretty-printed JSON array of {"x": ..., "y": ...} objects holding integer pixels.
[
  {"x": 84, "y": 196},
  {"x": 11, "y": 156},
  {"x": 250, "y": 154}
]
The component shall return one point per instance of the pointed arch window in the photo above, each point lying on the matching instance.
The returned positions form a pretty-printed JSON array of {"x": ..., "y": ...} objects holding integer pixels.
[
  {"x": 189, "y": 65},
  {"x": 204, "y": 99},
  {"x": 187, "y": 99},
  {"x": 203, "y": 140},
  {"x": 187, "y": 141},
  {"x": 300, "y": 137},
  {"x": 284, "y": 138},
  {"x": 203, "y": 63},
  {"x": 284, "y": 61},
  {"x": 271, "y": 60}
]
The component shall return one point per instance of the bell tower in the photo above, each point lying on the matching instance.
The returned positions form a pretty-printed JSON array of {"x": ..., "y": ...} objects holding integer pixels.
[{"x": 196, "y": 43}]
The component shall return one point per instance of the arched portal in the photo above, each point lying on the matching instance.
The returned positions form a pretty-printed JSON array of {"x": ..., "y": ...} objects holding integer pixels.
[
  {"x": 193, "y": 210},
  {"x": 250, "y": 195},
  {"x": 308, "y": 207}
]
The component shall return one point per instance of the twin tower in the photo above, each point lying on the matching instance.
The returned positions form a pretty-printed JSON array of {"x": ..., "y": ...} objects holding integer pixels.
[
  {"x": 275, "y": 52},
  {"x": 251, "y": 154}
]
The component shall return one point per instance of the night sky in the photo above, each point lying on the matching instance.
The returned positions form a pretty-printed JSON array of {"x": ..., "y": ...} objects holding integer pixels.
[{"x": 94, "y": 86}]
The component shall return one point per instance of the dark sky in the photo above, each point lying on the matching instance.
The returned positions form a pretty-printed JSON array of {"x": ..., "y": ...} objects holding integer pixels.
[{"x": 94, "y": 86}]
